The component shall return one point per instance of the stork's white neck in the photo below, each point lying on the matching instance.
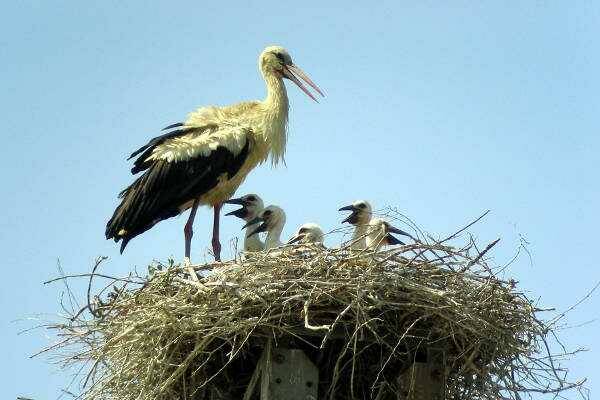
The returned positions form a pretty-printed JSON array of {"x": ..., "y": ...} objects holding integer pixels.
[
  {"x": 276, "y": 107},
  {"x": 274, "y": 237},
  {"x": 252, "y": 243},
  {"x": 276, "y": 91},
  {"x": 359, "y": 237}
]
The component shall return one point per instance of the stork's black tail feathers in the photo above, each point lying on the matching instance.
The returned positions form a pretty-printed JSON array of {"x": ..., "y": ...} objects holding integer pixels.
[
  {"x": 138, "y": 211},
  {"x": 124, "y": 242}
]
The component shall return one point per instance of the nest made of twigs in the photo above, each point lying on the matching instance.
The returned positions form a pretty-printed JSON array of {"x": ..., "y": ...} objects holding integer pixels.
[{"x": 362, "y": 318}]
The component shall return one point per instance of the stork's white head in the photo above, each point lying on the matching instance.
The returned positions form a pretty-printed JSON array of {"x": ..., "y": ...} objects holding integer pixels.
[
  {"x": 273, "y": 58},
  {"x": 276, "y": 61},
  {"x": 361, "y": 212},
  {"x": 379, "y": 234},
  {"x": 251, "y": 204},
  {"x": 308, "y": 233},
  {"x": 272, "y": 218}
]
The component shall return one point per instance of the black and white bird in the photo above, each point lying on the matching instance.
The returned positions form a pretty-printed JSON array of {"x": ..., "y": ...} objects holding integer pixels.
[
  {"x": 361, "y": 214},
  {"x": 203, "y": 160},
  {"x": 379, "y": 234},
  {"x": 252, "y": 205},
  {"x": 308, "y": 233},
  {"x": 272, "y": 221}
]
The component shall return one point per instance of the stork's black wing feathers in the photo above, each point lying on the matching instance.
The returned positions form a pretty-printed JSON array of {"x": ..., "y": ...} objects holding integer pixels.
[
  {"x": 165, "y": 186},
  {"x": 175, "y": 125},
  {"x": 159, "y": 140},
  {"x": 141, "y": 164}
]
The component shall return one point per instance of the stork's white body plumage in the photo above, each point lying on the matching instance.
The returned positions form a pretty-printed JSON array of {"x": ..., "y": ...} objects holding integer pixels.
[
  {"x": 376, "y": 234},
  {"x": 260, "y": 125},
  {"x": 259, "y": 139},
  {"x": 359, "y": 236},
  {"x": 206, "y": 158}
]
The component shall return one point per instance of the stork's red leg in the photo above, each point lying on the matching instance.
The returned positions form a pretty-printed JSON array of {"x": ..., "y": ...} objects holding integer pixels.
[
  {"x": 215, "y": 239},
  {"x": 188, "y": 230}
]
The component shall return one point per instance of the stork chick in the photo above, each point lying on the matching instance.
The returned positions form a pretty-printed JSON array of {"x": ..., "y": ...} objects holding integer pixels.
[
  {"x": 361, "y": 213},
  {"x": 203, "y": 160},
  {"x": 379, "y": 233},
  {"x": 252, "y": 205},
  {"x": 272, "y": 220},
  {"x": 308, "y": 233}
]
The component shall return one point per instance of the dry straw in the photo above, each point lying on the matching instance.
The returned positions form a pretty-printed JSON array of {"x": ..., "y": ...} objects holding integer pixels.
[{"x": 361, "y": 317}]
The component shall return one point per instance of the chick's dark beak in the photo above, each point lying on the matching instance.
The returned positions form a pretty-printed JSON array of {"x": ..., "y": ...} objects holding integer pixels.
[
  {"x": 392, "y": 240},
  {"x": 392, "y": 229},
  {"x": 253, "y": 221},
  {"x": 261, "y": 228},
  {"x": 238, "y": 201},
  {"x": 240, "y": 213},
  {"x": 353, "y": 217},
  {"x": 296, "y": 238},
  {"x": 348, "y": 208}
]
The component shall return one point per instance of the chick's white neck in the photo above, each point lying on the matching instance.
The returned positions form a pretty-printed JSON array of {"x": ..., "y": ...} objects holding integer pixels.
[
  {"x": 252, "y": 242},
  {"x": 274, "y": 237}
]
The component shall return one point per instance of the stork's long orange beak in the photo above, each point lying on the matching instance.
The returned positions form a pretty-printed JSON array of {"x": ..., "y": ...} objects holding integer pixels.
[{"x": 292, "y": 72}]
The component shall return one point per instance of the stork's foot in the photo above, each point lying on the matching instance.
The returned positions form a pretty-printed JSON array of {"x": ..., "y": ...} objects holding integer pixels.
[
  {"x": 216, "y": 245},
  {"x": 187, "y": 264}
]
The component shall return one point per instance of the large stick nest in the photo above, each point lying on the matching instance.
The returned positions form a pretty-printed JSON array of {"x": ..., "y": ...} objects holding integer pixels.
[{"x": 362, "y": 318}]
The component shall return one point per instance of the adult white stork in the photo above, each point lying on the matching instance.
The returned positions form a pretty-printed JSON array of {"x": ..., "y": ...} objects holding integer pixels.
[
  {"x": 379, "y": 233},
  {"x": 252, "y": 205},
  {"x": 272, "y": 220},
  {"x": 205, "y": 159},
  {"x": 308, "y": 233},
  {"x": 361, "y": 213}
]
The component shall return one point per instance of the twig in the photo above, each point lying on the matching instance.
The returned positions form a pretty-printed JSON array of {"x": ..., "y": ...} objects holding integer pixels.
[
  {"x": 481, "y": 254},
  {"x": 452, "y": 236},
  {"x": 60, "y": 278}
]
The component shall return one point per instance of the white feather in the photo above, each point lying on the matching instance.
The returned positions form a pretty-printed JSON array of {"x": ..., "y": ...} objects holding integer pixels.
[{"x": 201, "y": 143}]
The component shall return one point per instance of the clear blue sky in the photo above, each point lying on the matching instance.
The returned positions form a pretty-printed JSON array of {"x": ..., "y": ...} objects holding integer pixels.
[{"x": 441, "y": 110}]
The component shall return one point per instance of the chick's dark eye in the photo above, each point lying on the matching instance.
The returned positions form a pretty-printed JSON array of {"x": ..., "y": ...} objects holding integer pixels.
[
  {"x": 362, "y": 206},
  {"x": 279, "y": 56},
  {"x": 303, "y": 230},
  {"x": 251, "y": 198},
  {"x": 267, "y": 213}
]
